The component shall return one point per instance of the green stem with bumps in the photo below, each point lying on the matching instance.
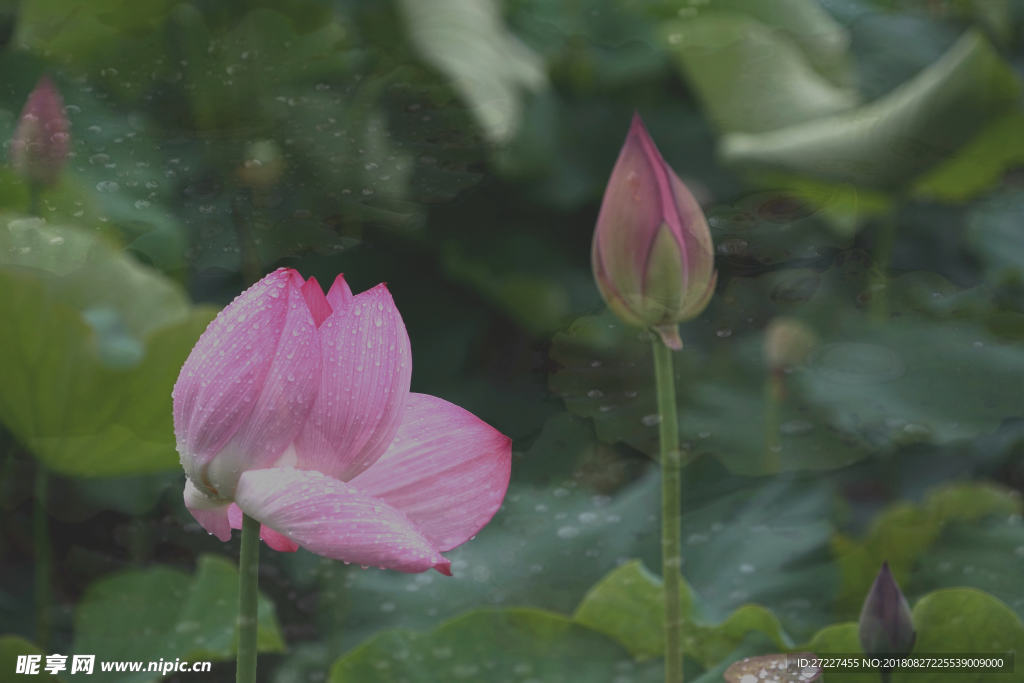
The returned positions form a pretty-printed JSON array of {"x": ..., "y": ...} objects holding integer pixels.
[
  {"x": 671, "y": 510},
  {"x": 43, "y": 558},
  {"x": 248, "y": 578},
  {"x": 879, "y": 301}
]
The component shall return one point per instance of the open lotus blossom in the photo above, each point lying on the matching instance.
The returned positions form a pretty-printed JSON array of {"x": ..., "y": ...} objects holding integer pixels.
[{"x": 294, "y": 408}]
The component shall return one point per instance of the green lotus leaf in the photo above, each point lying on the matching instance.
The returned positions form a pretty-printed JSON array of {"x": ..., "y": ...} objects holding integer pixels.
[
  {"x": 891, "y": 141},
  {"x": 163, "y": 613},
  {"x": 93, "y": 348}
]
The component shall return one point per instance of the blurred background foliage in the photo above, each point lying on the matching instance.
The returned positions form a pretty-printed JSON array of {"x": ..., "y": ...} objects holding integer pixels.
[{"x": 861, "y": 164}]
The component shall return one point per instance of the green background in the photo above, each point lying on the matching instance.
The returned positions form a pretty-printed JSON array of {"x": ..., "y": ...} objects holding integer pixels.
[{"x": 861, "y": 166}]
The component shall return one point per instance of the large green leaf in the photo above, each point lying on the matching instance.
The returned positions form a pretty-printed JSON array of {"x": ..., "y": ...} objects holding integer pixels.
[
  {"x": 163, "y": 613},
  {"x": 487, "y": 65},
  {"x": 751, "y": 77},
  {"x": 745, "y": 540},
  {"x": 903, "y": 534},
  {"x": 493, "y": 645},
  {"x": 525, "y": 556},
  {"x": 996, "y": 234},
  {"x": 628, "y": 605},
  {"x": 959, "y": 620},
  {"x": 953, "y": 621},
  {"x": 913, "y": 380},
  {"x": 892, "y": 140},
  {"x": 866, "y": 386},
  {"x": 93, "y": 347},
  {"x": 604, "y": 375},
  {"x": 978, "y": 165},
  {"x": 824, "y": 41},
  {"x": 116, "y": 37},
  {"x": 796, "y": 221},
  {"x": 984, "y": 554},
  {"x": 12, "y": 646}
]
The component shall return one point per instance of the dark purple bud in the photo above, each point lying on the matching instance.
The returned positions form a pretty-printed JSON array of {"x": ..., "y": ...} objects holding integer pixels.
[{"x": 886, "y": 625}]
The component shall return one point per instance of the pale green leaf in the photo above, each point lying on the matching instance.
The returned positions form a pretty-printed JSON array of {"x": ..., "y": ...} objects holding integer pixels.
[
  {"x": 890, "y": 141},
  {"x": 751, "y": 77},
  {"x": 94, "y": 345},
  {"x": 489, "y": 67}
]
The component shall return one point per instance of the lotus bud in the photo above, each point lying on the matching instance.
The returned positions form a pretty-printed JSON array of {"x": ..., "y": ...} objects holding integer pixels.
[
  {"x": 886, "y": 625},
  {"x": 263, "y": 165},
  {"x": 41, "y": 140},
  {"x": 787, "y": 343},
  {"x": 652, "y": 255}
]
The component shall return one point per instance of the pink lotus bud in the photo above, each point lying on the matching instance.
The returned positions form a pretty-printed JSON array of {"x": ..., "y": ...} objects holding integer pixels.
[
  {"x": 886, "y": 625},
  {"x": 652, "y": 255},
  {"x": 41, "y": 140}
]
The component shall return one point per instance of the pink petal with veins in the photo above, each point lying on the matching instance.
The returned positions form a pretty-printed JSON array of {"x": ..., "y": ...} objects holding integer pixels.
[
  {"x": 248, "y": 385},
  {"x": 694, "y": 237},
  {"x": 275, "y": 540},
  {"x": 334, "y": 519},
  {"x": 446, "y": 470},
  {"x": 317, "y": 302},
  {"x": 340, "y": 295},
  {"x": 365, "y": 376}
]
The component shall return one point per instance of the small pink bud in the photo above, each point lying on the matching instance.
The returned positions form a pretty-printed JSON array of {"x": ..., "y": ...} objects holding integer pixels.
[
  {"x": 652, "y": 255},
  {"x": 41, "y": 141}
]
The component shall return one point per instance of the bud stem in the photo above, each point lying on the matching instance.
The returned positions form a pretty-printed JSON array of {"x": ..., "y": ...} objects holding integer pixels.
[
  {"x": 248, "y": 578},
  {"x": 879, "y": 282},
  {"x": 774, "y": 391},
  {"x": 43, "y": 558},
  {"x": 671, "y": 510},
  {"x": 33, "y": 198}
]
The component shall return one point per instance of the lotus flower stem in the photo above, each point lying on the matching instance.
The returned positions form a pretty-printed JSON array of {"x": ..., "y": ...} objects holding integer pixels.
[
  {"x": 43, "y": 559},
  {"x": 879, "y": 302},
  {"x": 33, "y": 198},
  {"x": 773, "y": 392},
  {"x": 671, "y": 510},
  {"x": 248, "y": 578}
]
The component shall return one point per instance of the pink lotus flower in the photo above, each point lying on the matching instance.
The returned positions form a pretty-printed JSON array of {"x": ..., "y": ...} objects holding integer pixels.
[
  {"x": 652, "y": 256},
  {"x": 40, "y": 144},
  {"x": 295, "y": 409}
]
